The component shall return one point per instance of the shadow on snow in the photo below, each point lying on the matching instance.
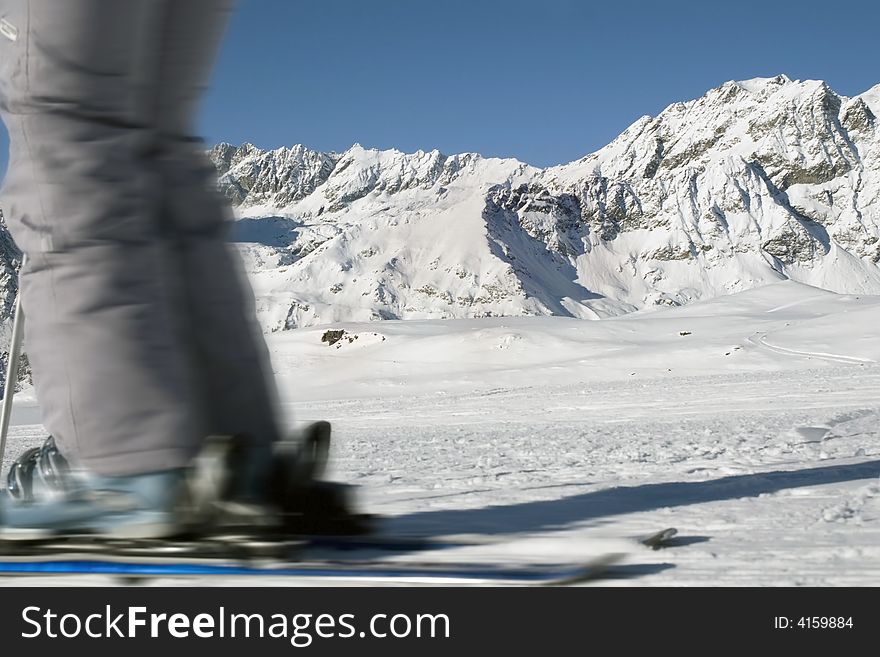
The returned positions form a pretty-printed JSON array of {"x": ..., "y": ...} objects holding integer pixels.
[{"x": 545, "y": 515}]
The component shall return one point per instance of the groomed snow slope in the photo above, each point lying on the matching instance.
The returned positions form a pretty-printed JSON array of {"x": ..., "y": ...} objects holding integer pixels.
[{"x": 750, "y": 422}]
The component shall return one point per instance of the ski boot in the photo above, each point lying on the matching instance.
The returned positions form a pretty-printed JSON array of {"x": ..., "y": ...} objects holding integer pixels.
[
  {"x": 308, "y": 503},
  {"x": 236, "y": 487},
  {"x": 45, "y": 499},
  {"x": 230, "y": 488}
]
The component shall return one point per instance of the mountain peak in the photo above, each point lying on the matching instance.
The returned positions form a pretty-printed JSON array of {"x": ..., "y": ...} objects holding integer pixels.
[{"x": 761, "y": 84}]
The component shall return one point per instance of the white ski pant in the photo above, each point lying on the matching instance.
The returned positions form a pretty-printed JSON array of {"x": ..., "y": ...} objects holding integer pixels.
[{"x": 140, "y": 326}]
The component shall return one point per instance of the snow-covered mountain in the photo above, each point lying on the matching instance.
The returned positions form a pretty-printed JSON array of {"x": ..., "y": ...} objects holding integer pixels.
[
  {"x": 10, "y": 261},
  {"x": 755, "y": 182},
  {"x": 381, "y": 235}
]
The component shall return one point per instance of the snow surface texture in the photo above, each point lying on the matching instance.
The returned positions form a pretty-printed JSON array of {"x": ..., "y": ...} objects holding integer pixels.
[
  {"x": 755, "y": 182},
  {"x": 750, "y": 422}
]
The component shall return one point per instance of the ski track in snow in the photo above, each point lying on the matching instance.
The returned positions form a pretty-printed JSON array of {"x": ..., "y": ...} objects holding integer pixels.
[
  {"x": 750, "y": 423},
  {"x": 761, "y": 340}
]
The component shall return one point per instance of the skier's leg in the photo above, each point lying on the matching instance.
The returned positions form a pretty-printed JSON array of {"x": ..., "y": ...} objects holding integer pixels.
[
  {"x": 230, "y": 357},
  {"x": 83, "y": 203},
  {"x": 232, "y": 363}
]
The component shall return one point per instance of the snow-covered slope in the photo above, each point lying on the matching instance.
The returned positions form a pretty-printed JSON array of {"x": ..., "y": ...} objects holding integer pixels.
[
  {"x": 749, "y": 421},
  {"x": 755, "y": 182}
]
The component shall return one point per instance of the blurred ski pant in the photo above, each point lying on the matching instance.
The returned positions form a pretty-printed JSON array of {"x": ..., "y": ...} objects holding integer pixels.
[{"x": 140, "y": 326}]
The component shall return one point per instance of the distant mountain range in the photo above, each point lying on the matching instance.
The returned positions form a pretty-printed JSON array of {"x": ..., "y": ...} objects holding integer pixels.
[{"x": 755, "y": 182}]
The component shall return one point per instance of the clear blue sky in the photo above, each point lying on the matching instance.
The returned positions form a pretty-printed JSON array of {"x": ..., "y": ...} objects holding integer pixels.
[{"x": 545, "y": 81}]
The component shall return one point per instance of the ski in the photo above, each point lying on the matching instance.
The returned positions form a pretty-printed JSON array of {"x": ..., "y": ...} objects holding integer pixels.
[
  {"x": 391, "y": 542},
  {"x": 224, "y": 547},
  {"x": 319, "y": 571},
  {"x": 371, "y": 558},
  {"x": 244, "y": 546}
]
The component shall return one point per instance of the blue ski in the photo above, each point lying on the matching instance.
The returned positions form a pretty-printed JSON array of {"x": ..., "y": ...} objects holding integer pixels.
[{"x": 326, "y": 571}]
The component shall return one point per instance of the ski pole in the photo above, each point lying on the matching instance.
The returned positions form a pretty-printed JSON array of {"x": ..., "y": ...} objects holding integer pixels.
[{"x": 11, "y": 370}]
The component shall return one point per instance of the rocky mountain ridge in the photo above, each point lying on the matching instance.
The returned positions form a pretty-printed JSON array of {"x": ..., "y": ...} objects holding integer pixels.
[{"x": 757, "y": 181}]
